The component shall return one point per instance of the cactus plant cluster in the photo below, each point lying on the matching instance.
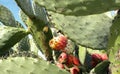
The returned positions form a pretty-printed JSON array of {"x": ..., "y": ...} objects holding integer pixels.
[{"x": 84, "y": 41}]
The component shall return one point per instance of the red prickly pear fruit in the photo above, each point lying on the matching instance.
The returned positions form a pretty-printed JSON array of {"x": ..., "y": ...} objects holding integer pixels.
[
  {"x": 61, "y": 66},
  {"x": 99, "y": 57},
  {"x": 74, "y": 70},
  {"x": 63, "y": 57},
  {"x": 58, "y": 43},
  {"x": 93, "y": 63},
  {"x": 72, "y": 60},
  {"x": 104, "y": 57},
  {"x": 96, "y": 57},
  {"x": 69, "y": 61},
  {"x": 76, "y": 61}
]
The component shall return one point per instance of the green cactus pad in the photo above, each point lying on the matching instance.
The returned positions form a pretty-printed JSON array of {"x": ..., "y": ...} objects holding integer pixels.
[
  {"x": 80, "y": 7},
  {"x": 90, "y": 31},
  {"x": 101, "y": 68},
  {"x": 23, "y": 16},
  {"x": 9, "y": 36},
  {"x": 24, "y": 44},
  {"x": 114, "y": 32},
  {"x": 40, "y": 12},
  {"x": 39, "y": 28},
  {"x": 35, "y": 12},
  {"x": 114, "y": 57},
  {"x": 114, "y": 39},
  {"x": 6, "y": 17},
  {"x": 82, "y": 54},
  {"x": 26, "y": 6},
  {"x": 114, "y": 52},
  {"x": 115, "y": 67},
  {"x": 28, "y": 65},
  {"x": 114, "y": 46}
]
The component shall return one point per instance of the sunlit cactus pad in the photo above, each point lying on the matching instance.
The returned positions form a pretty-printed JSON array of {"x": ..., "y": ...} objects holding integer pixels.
[
  {"x": 9, "y": 36},
  {"x": 90, "y": 31},
  {"x": 25, "y": 65},
  {"x": 79, "y": 7}
]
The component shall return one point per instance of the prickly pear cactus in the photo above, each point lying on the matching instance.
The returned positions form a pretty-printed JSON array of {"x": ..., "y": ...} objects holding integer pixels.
[
  {"x": 86, "y": 40},
  {"x": 26, "y": 7},
  {"x": 6, "y": 17},
  {"x": 79, "y": 7},
  {"x": 83, "y": 30},
  {"x": 9, "y": 36},
  {"x": 28, "y": 65},
  {"x": 114, "y": 46},
  {"x": 101, "y": 68},
  {"x": 38, "y": 28},
  {"x": 24, "y": 44},
  {"x": 82, "y": 54}
]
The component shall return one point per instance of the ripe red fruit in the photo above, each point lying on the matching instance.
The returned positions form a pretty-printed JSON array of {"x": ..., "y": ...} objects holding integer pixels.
[
  {"x": 76, "y": 61},
  {"x": 63, "y": 57},
  {"x": 99, "y": 57},
  {"x": 74, "y": 70},
  {"x": 68, "y": 59},
  {"x": 61, "y": 66},
  {"x": 93, "y": 63},
  {"x": 72, "y": 60},
  {"x": 96, "y": 57},
  {"x": 58, "y": 43},
  {"x": 104, "y": 57}
]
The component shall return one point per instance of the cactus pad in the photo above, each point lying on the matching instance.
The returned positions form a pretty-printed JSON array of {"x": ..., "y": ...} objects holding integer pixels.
[
  {"x": 80, "y": 7},
  {"x": 101, "y": 68},
  {"x": 9, "y": 36},
  {"x": 90, "y": 31},
  {"x": 26, "y": 6},
  {"x": 24, "y": 44},
  {"x": 6, "y": 17},
  {"x": 39, "y": 28},
  {"x": 115, "y": 67},
  {"x": 82, "y": 54},
  {"x": 27, "y": 65},
  {"x": 114, "y": 46}
]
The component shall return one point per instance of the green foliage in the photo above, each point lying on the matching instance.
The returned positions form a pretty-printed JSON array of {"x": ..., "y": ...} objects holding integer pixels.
[
  {"x": 84, "y": 30},
  {"x": 101, "y": 68},
  {"x": 82, "y": 54},
  {"x": 38, "y": 26},
  {"x": 6, "y": 17},
  {"x": 24, "y": 44},
  {"x": 83, "y": 21},
  {"x": 40, "y": 13},
  {"x": 115, "y": 67},
  {"x": 26, "y": 6},
  {"x": 23, "y": 16},
  {"x": 9, "y": 36},
  {"x": 80, "y": 7},
  {"x": 28, "y": 65},
  {"x": 114, "y": 32},
  {"x": 33, "y": 46},
  {"x": 41, "y": 38},
  {"x": 36, "y": 11},
  {"x": 114, "y": 46}
]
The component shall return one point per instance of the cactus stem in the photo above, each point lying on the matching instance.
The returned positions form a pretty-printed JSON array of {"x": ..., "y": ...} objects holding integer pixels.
[{"x": 41, "y": 34}]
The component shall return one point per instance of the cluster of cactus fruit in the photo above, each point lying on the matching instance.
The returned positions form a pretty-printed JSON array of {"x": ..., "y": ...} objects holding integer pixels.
[
  {"x": 73, "y": 36},
  {"x": 67, "y": 60}
]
